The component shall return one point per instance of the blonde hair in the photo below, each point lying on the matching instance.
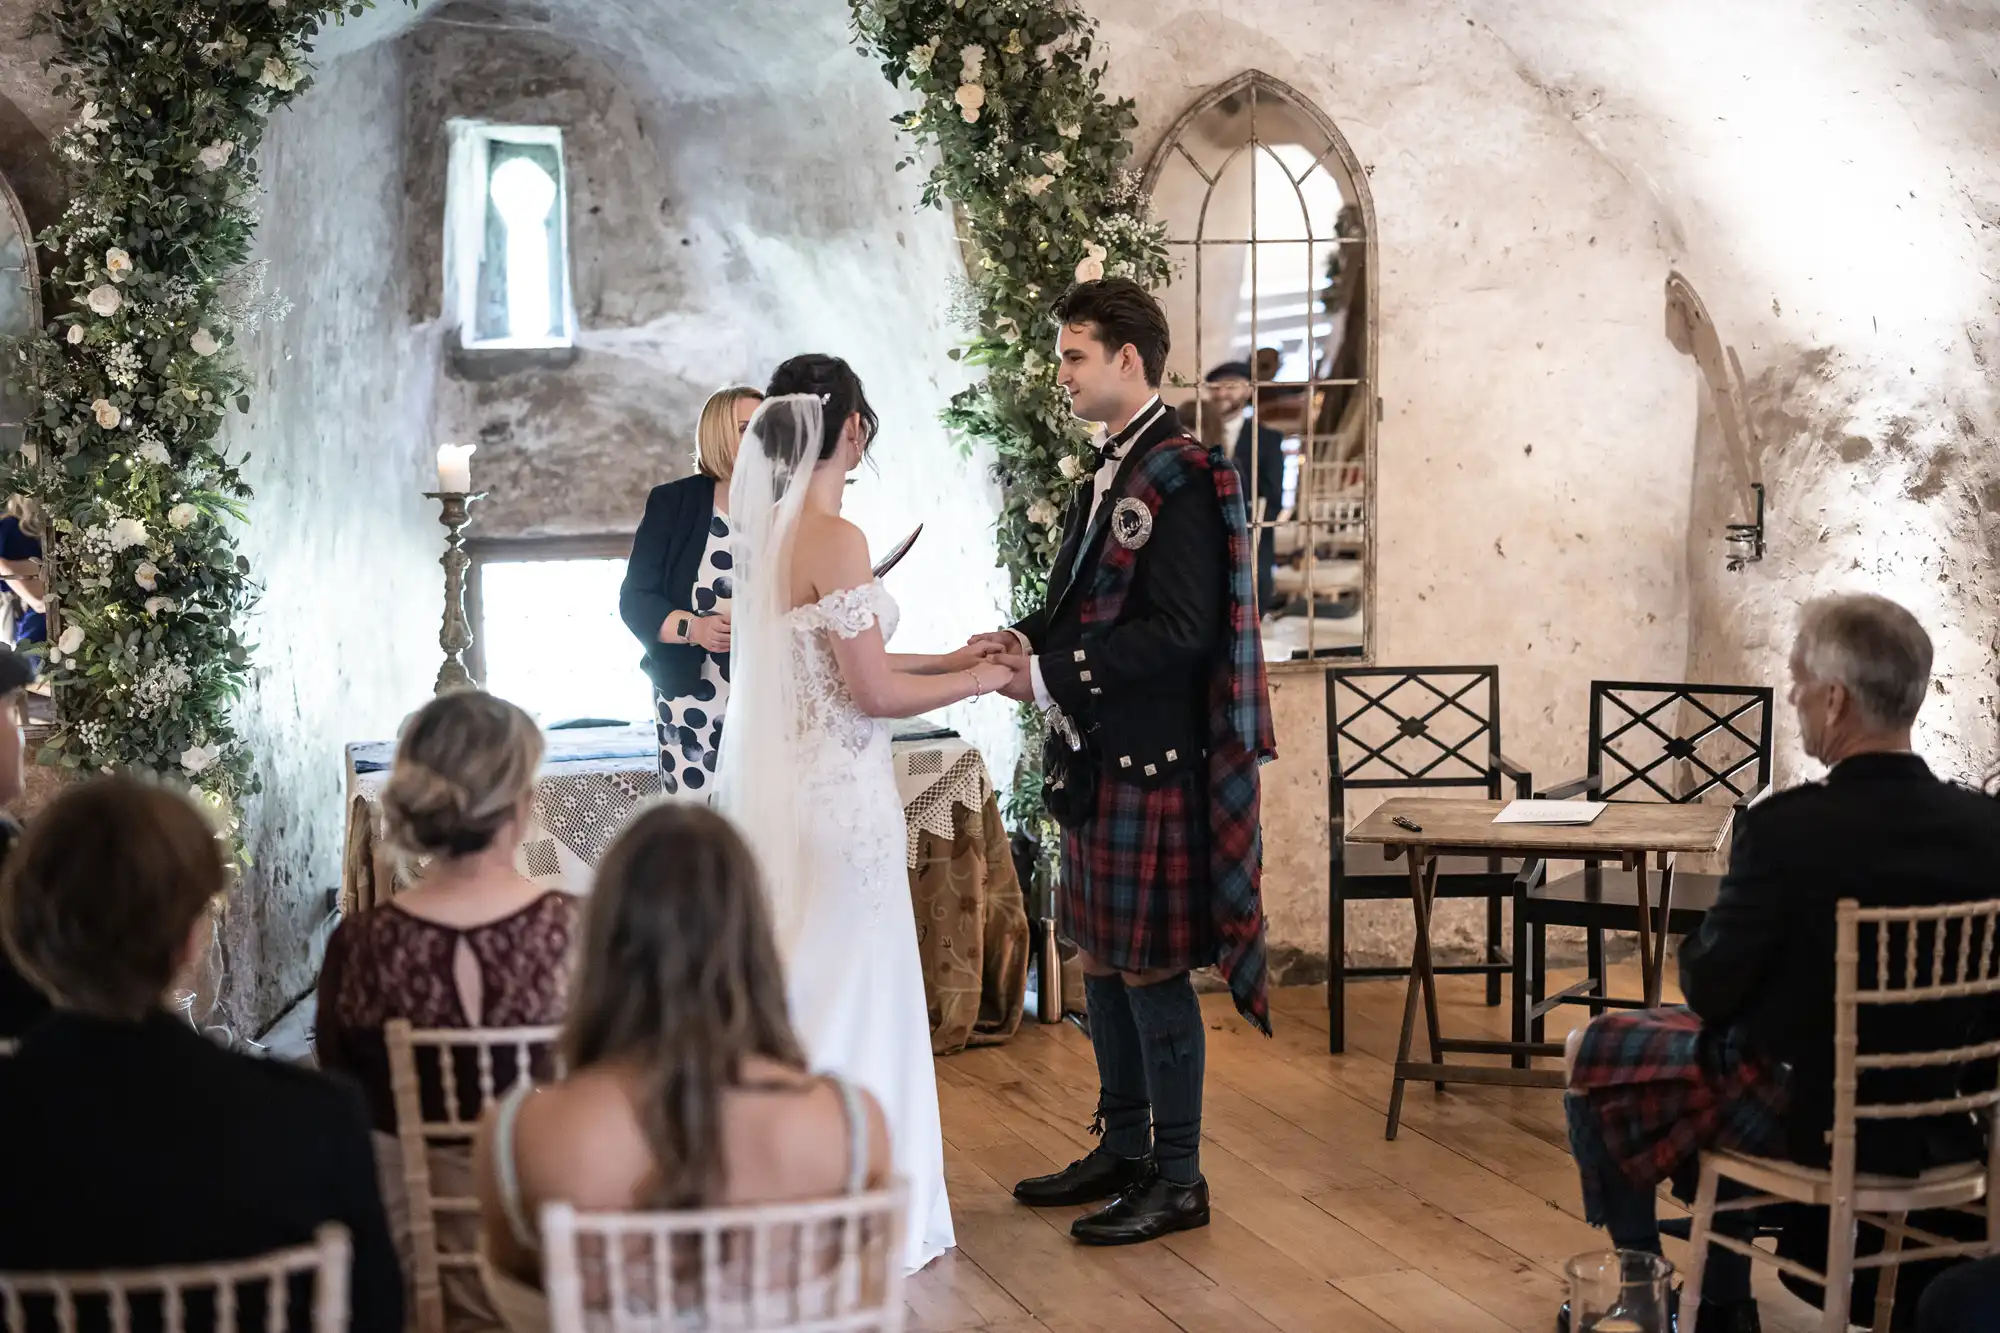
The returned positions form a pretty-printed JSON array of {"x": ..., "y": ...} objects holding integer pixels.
[
  {"x": 716, "y": 438},
  {"x": 27, "y": 511},
  {"x": 464, "y": 765}
]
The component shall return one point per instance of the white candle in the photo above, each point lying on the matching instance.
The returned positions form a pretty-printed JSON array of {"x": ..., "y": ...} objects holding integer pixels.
[{"x": 455, "y": 467}]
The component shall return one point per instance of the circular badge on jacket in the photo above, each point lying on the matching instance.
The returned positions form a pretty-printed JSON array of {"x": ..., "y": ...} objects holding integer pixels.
[{"x": 1131, "y": 523}]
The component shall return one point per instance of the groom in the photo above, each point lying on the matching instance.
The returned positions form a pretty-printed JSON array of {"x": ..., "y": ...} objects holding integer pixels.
[{"x": 1147, "y": 665}]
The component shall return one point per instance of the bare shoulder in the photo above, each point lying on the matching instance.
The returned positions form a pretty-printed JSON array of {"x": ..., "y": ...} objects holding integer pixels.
[{"x": 830, "y": 533}]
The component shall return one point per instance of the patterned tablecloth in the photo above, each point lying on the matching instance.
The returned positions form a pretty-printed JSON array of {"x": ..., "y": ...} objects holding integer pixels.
[{"x": 972, "y": 926}]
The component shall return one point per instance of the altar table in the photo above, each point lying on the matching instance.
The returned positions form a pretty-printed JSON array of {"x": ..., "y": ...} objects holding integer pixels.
[
  {"x": 972, "y": 925},
  {"x": 1625, "y": 832}
]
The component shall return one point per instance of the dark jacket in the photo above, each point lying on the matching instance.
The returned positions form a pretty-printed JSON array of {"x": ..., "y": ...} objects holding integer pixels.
[
  {"x": 1880, "y": 830},
  {"x": 1270, "y": 470},
  {"x": 659, "y": 578},
  {"x": 21, "y": 1004},
  {"x": 1153, "y": 665},
  {"x": 131, "y": 1145}
]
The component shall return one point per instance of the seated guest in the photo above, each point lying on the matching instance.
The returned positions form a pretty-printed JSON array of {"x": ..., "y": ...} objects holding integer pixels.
[
  {"x": 127, "y": 1139},
  {"x": 686, "y": 1087},
  {"x": 1649, "y": 1090},
  {"x": 20, "y": 1003},
  {"x": 472, "y": 944}
]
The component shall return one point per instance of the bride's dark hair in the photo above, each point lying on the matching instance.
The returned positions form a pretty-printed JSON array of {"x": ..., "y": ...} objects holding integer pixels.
[
  {"x": 678, "y": 974},
  {"x": 838, "y": 388}
]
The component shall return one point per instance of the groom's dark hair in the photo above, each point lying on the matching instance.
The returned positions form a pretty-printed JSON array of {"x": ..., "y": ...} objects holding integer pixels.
[
  {"x": 1124, "y": 312},
  {"x": 838, "y": 388}
]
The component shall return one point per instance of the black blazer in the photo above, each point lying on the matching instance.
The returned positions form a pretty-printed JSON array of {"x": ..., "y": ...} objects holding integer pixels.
[
  {"x": 1270, "y": 469},
  {"x": 659, "y": 578},
  {"x": 130, "y": 1145},
  {"x": 1152, "y": 667},
  {"x": 1880, "y": 830}
]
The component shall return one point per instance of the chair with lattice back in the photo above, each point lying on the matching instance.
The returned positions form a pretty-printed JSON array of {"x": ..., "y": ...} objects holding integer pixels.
[
  {"x": 1411, "y": 729},
  {"x": 303, "y": 1287},
  {"x": 442, "y": 1080},
  {"x": 1649, "y": 741}
]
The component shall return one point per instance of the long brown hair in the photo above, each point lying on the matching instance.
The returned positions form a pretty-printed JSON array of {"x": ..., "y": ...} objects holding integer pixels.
[{"x": 679, "y": 974}]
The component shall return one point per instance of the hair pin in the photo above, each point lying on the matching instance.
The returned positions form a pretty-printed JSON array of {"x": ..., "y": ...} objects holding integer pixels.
[{"x": 825, "y": 398}]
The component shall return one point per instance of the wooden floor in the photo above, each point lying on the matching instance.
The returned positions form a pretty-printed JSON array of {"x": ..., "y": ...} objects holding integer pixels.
[{"x": 1462, "y": 1224}]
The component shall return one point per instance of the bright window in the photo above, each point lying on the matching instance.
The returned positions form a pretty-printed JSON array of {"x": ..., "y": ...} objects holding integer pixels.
[
  {"x": 551, "y": 640},
  {"x": 507, "y": 236}
]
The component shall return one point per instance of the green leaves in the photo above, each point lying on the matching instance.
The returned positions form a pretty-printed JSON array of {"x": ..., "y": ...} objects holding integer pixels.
[{"x": 148, "y": 584}]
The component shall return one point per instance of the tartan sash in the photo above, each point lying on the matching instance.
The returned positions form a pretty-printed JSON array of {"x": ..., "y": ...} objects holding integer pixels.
[{"x": 1240, "y": 732}]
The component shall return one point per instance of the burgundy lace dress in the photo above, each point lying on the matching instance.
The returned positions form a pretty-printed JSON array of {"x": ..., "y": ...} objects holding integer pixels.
[{"x": 387, "y": 963}]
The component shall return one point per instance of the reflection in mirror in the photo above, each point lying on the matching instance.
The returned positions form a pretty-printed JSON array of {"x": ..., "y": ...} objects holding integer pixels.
[{"x": 1268, "y": 229}]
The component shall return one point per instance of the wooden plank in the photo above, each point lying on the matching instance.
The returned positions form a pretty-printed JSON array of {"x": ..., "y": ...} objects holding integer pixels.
[
  {"x": 953, "y": 1293},
  {"x": 1416, "y": 1303},
  {"x": 1506, "y": 1284},
  {"x": 1467, "y": 828}
]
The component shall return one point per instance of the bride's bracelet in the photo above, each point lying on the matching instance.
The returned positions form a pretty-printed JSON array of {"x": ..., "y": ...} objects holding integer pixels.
[{"x": 973, "y": 676}]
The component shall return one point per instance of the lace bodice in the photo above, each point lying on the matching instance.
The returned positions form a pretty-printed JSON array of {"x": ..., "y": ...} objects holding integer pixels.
[{"x": 828, "y": 714}]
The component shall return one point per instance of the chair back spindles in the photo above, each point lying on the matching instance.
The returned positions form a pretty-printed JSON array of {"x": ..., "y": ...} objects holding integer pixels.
[
  {"x": 829, "y": 1266},
  {"x": 1677, "y": 742},
  {"x": 107, "y": 1298},
  {"x": 420, "y": 1127}
]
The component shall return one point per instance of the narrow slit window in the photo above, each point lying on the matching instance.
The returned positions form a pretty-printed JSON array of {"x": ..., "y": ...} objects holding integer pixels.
[{"x": 507, "y": 237}]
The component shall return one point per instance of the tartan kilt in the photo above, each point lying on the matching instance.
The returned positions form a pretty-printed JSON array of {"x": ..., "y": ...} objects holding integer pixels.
[
  {"x": 1652, "y": 1088},
  {"x": 1135, "y": 877}
]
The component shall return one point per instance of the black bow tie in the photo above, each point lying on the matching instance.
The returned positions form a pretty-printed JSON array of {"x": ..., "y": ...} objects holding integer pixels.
[{"x": 1114, "y": 446}]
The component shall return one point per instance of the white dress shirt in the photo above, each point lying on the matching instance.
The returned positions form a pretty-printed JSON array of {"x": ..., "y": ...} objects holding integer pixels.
[{"x": 1111, "y": 448}]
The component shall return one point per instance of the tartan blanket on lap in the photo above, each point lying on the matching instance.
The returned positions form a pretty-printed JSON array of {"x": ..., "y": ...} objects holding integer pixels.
[
  {"x": 1241, "y": 737},
  {"x": 1652, "y": 1088}
]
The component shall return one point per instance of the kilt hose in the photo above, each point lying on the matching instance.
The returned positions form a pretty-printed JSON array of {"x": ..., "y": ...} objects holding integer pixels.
[{"x": 1135, "y": 879}]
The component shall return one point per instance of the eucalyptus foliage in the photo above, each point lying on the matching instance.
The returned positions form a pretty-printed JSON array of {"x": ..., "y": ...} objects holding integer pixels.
[{"x": 130, "y": 378}]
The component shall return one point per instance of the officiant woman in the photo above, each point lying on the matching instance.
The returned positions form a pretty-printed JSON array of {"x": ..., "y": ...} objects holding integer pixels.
[{"x": 676, "y": 594}]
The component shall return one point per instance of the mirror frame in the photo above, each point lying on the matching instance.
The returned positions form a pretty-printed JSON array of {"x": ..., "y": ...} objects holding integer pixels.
[{"x": 1257, "y": 83}]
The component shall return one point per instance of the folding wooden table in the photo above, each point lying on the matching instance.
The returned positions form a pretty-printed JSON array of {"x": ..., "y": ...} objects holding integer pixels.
[{"x": 1624, "y": 832}]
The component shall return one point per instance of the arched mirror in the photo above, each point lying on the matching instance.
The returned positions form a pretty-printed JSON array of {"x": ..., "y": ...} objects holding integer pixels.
[
  {"x": 1270, "y": 231},
  {"x": 20, "y": 305}
]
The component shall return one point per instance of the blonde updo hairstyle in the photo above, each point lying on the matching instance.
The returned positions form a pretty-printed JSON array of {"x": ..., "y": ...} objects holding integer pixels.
[{"x": 464, "y": 768}]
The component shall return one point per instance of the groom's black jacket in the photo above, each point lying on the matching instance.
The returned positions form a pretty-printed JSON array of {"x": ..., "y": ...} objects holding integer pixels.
[{"x": 1139, "y": 689}]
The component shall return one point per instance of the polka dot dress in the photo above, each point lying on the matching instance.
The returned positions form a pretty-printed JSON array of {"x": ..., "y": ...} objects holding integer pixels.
[{"x": 690, "y": 727}]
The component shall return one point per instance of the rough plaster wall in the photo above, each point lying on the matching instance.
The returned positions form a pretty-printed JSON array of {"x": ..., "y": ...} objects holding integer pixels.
[
  {"x": 340, "y": 535},
  {"x": 1537, "y": 431},
  {"x": 716, "y": 227}
]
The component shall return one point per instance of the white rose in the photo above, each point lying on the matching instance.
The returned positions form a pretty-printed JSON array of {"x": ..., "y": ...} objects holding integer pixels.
[
  {"x": 1070, "y": 131},
  {"x": 197, "y": 758},
  {"x": 153, "y": 451},
  {"x": 182, "y": 516},
  {"x": 75, "y": 334},
  {"x": 216, "y": 156},
  {"x": 1090, "y": 269},
  {"x": 277, "y": 74},
  {"x": 147, "y": 575},
  {"x": 104, "y": 300},
  {"x": 921, "y": 57},
  {"x": 1036, "y": 186},
  {"x": 126, "y": 533},
  {"x": 1042, "y": 513},
  {"x": 970, "y": 97},
  {"x": 155, "y": 605},
  {"x": 71, "y": 640},
  {"x": 106, "y": 412},
  {"x": 204, "y": 343},
  {"x": 117, "y": 263},
  {"x": 1055, "y": 163},
  {"x": 89, "y": 118},
  {"x": 971, "y": 61},
  {"x": 1070, "y": 467}
]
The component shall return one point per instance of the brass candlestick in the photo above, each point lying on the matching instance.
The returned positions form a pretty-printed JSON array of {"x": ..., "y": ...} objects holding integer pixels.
[{"x": 456, "y": 635}]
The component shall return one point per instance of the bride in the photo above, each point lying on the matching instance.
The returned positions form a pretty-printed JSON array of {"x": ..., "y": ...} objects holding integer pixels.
[{"x": 806, "y": 770}]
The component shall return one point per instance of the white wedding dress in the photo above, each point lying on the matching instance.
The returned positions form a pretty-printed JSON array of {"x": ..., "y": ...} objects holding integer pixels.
[
  {"x": 856, "y": 985},
  {"x": 808, "y": 778}
]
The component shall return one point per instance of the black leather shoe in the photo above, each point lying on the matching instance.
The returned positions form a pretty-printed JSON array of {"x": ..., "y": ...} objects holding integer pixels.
[
  {"x": 1101, "y": 1175},
  {"x": 1146, "y": 1211}
]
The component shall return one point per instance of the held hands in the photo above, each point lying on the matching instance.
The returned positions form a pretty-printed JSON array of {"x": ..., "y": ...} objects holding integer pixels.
[
  {"x": 999, "y": 641},
  {"x": 970, "y": 656},
  {"x": 710, "y": 632},
  {"x": 1020, "y": 685}
]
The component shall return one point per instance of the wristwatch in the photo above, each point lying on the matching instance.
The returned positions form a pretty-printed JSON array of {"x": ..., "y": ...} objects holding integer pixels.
[{"x": 687, "y": 627}]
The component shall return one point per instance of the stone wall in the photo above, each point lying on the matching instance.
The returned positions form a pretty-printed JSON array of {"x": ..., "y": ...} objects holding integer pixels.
[
  {"x": 715, "y": 228},
  {"x": 340, "y": 534}
]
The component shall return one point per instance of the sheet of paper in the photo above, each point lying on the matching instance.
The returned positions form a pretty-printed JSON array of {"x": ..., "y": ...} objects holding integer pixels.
[{"x": 1549, "y": 812}]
